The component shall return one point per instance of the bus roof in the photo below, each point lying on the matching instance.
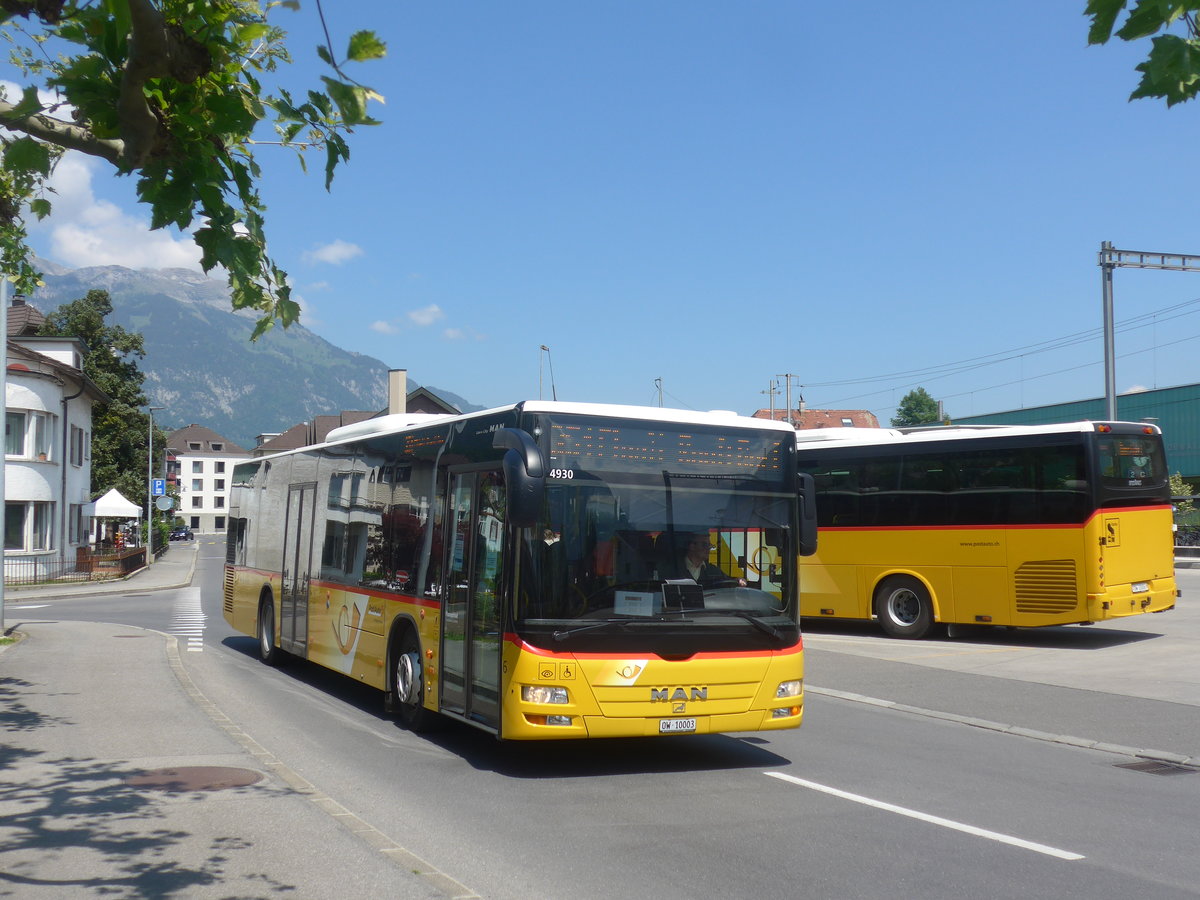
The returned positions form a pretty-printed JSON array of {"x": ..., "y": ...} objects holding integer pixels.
[
  {"x": 399, "y": 422},
  {"x": 934, "y": 433}
]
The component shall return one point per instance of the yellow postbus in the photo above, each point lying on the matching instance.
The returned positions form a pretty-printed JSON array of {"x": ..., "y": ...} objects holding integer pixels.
[
  {"x": 543, "y": 570},
  {"x": 994, "y": 525}
]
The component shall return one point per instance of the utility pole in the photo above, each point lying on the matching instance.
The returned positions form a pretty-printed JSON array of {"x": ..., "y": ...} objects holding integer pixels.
[
  {"x": 4, "y": 388},
  {"x": 771, "y": 391},
  {"x": 1111, "y": 258},
  {"x": 788, "y": 384}
]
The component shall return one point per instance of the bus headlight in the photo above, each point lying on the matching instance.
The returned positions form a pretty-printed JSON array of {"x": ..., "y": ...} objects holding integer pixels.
[
  {"x": 537, "y": 693},
  {"x": 789, "y": 689}
]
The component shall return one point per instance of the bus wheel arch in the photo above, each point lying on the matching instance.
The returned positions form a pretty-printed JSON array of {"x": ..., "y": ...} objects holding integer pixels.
[
  {"x": 268, "y": 651},
  {"x": 405, "y": 697},
  {"x": 903, "y": 605}
]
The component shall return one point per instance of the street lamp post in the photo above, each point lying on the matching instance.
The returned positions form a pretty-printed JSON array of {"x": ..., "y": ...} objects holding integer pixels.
[{"x": 149, "y": 541}]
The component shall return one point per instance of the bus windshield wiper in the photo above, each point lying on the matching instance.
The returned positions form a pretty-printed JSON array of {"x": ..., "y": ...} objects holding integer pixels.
[
  {"x": 754, "y": 620},
  {"x": 566, "y": 633}
]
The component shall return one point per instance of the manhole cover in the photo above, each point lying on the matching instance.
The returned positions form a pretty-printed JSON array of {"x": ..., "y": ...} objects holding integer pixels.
[{"x": 194, "y": 778}]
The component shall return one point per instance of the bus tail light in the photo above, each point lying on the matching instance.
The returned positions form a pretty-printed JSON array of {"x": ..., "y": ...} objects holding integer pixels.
[{"x": 785, "y": 712}]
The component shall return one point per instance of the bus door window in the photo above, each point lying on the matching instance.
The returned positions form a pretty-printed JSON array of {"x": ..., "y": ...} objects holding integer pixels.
[
  {"x": 474, "y": 575},
  {"x": 297, "y": 561}
]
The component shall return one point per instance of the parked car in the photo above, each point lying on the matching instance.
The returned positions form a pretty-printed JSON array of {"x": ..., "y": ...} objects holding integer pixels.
[{"x": 182, "y": 533}]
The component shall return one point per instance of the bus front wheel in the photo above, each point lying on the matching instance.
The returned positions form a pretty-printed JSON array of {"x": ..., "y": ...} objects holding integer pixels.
[
  {"x": 904, "y": 607},
  {"x": 406, "y": 695},
  {"x": 267, "y": 651}
]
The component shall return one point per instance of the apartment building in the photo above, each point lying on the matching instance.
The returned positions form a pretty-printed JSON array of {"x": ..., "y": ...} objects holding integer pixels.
[
  {"x": 48, "y": 404},
  {"x": 200, "y": 464}
]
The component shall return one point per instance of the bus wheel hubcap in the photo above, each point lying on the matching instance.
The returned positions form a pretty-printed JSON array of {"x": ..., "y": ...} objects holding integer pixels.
[
  {"x": 408, "y": 675},
  {"x": 904, "y": 607}
]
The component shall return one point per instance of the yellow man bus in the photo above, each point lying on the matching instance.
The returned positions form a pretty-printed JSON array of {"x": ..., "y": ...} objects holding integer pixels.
[
  {"x": 526, "y": 569},
  {"x": 997, "y": 525}
]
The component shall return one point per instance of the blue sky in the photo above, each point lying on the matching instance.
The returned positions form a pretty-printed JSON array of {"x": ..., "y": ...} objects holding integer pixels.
[{"x": 716, "y": 194}]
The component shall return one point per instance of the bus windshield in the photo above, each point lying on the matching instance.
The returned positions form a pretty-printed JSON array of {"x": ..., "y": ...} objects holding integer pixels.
[{"x": 656, "y": 544}]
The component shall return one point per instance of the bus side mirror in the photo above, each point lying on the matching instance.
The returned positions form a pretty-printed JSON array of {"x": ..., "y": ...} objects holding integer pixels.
[
  {"x": 524, "y": 475},
  {"x": 808, "y": 514}
]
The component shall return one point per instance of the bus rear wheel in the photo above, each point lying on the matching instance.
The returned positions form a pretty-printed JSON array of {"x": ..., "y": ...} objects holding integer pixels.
[
  {"x": 406, "y": 695},
  {"x": 267, "y": 651},
  {"x": 904, "y": 607}
]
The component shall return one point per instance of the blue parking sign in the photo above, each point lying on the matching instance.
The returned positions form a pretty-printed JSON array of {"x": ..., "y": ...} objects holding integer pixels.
[{"x": 158, "y": 487}]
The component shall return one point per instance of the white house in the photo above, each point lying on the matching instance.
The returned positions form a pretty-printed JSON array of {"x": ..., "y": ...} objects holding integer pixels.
[
  {"x": 48, "y": 404},
  {"x": 200, "y": 462}
]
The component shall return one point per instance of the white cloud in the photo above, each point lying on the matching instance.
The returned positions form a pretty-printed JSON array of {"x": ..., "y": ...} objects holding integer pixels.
[
  {"x": 426, "y": 316},
  {"x": 384, "y": 327},
  {"x": 458, "y": 334},
  {"x": 334, "y": 253},
  {"x": 83, "y": 230}
]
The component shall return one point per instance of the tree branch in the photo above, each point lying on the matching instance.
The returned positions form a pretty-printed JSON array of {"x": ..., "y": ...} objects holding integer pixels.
[{"x": 60, "y": 133}]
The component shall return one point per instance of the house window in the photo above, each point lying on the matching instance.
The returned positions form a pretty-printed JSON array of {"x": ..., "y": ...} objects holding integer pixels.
[
  {"x": 195, "y": 525},
  {"x": 219, "y": 502},
  {"x": 193, "y": 445},
  {"x": 76, "y": 445},
  {"x": 219, "y": 484},
  {"x": 220, "y": 468},
  {"x": 197, "y": 467},
  {"x": 849, "y": 423},
  {"x": 27, "y": 525},
  {"x": 197, "y": 503},
  {"x": 219, "y": 523},
  {"x": 197, "y": 484},
  {"x": 217, "y": 446},
  {"x": 14, "y": 438},
  {"x": 75, "y": 532},
  {"x": 28, "y": 434}
]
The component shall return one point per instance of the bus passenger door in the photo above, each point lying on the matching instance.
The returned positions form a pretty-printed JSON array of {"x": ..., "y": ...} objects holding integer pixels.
[
  {"x": 297, "y": 557},
  {"x": 471, "y": 638}
]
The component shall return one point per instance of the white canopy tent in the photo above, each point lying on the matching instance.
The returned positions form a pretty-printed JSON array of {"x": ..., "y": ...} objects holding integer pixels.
[{"x": 111, "y": 506}]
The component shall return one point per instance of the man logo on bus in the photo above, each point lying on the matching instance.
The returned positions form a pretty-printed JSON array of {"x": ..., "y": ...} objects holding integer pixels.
[{"x": 667, "y": 695}]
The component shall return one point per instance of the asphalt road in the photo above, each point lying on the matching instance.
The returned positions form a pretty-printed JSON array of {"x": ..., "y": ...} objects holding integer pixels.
[{"x": 996, "y": 764}]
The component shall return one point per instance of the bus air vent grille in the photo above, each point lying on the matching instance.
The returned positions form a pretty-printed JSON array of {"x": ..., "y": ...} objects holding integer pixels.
[
  {"x": 228, "y": 590},
  {"x": 1047, "y": 586}
]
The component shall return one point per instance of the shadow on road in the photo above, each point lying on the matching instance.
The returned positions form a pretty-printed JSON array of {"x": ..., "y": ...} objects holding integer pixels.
[
  {"x": 1053, "y": 637},
  {"x": 546, "y": 759}
]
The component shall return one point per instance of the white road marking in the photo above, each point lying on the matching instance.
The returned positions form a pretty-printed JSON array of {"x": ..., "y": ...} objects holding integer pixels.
[
  {"x": 187, "y": 622},
  {"x": 933, "y": 820}
]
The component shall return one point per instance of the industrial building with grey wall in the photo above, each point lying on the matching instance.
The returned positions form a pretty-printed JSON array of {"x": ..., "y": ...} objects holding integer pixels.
[{"x": 1175, "y": 410}]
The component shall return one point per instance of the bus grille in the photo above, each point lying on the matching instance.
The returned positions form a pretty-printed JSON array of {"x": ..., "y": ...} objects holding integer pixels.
[
  {"x": 1047, "y": 586},
  {"x": 228, "y": 590}
]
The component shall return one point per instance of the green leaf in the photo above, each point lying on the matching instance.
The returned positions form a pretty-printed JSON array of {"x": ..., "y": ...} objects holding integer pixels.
[
  {"x": 1149, "y": 17},
  {"x": 365, "y": 45},
  {"x": 27, "y": 155},
  {"x": 1171, "y": 71},
  {"x": 28, "y": 104},
  {"x": 40, "y": 207},
  {"x": 326, "y": 56},
  {"x": 1104, "y": 16}
]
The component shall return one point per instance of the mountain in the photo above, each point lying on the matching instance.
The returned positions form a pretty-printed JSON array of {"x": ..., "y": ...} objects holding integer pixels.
[{"x": 201, "y": 366}]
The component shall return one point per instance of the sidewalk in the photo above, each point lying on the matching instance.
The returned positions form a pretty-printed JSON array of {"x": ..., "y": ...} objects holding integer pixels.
[
  {"x": 119, "y": 778},
  {"x": 174, "y": 569}
]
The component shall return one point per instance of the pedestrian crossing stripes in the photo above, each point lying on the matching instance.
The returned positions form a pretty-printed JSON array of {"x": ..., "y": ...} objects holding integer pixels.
[{"x": 187, "y": 619}]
